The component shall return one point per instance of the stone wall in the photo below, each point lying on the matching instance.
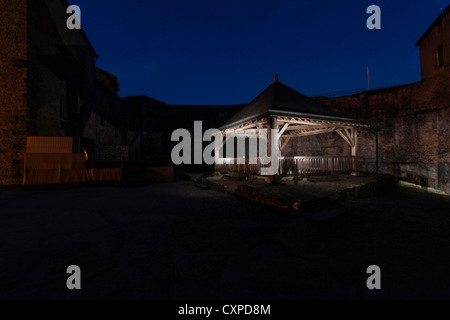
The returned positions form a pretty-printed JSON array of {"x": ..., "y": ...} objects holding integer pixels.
[
  {"x": 409, "y": 133},
  {"x": 13, "y": 89}
]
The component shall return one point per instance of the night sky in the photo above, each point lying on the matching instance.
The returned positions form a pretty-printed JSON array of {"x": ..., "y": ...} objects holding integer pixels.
[{"x": 226, "y": 52}]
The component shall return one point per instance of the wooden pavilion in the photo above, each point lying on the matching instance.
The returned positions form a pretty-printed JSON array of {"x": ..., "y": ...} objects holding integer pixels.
[{"x": 294, "y": 115}]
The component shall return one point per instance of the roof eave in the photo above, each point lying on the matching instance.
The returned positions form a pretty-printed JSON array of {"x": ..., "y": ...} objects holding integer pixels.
[
  {"x": 241, "y": 121},
  {"x": 296, "y": 115}
]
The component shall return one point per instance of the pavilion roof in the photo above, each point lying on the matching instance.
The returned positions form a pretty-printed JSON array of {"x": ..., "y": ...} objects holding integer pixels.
[{"x": 281, "y": 100}]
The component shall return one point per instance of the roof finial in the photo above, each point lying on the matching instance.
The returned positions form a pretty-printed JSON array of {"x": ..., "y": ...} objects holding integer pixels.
[{"x": 275, "y": 78}]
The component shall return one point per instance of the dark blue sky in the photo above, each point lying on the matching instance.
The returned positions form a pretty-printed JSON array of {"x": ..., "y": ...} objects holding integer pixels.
[{"x": 226, "y": 51}]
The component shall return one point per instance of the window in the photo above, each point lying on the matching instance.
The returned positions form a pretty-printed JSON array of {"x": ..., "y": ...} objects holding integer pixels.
[{"x": 439, "y": 56}]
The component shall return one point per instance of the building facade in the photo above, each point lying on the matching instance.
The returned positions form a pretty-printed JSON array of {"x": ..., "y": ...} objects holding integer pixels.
[{"x": 435, "y": 46}]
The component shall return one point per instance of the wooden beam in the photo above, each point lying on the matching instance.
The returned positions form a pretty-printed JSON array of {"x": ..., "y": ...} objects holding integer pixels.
[
  {"x": 310, "y": 133},
  {"x": 311, "y": 123},
  {"x": 348, "y": 133},
  {"x": 291, "y": 128},
  {"x": 335, "y": 123},
  {"x": 248, "y": 125},
  {"x": 264, "y": 136},
  {"x": 310, "y": 127},
  {"x": 345, "y": 136},
  {"x": 280, "y": 133}
]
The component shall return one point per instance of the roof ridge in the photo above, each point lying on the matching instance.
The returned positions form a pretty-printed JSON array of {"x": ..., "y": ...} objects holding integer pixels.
[{"x": 278, "y": 98}]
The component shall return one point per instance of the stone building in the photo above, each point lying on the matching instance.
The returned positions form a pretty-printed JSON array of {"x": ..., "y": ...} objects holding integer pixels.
[
  {"x": 50, "y": 87},
  {"x": 47, "y": 82},
  {"x": 159, "y": 120},
  {"x": 118, "y": 127},
  {"x": 435, "y": 46}
]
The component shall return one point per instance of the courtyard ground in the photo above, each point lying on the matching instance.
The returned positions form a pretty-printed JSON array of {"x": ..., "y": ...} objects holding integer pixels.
[{"x": 175, "y": 241}]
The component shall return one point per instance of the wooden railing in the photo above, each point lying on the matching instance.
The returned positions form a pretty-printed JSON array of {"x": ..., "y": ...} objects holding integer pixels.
[
  {"x": 245, "y": 166},
  {"x": 287, "y": 165},
  {"x": 311, "y": 165}
]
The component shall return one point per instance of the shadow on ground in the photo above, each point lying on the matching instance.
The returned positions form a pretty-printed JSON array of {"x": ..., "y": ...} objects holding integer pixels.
[{"x": 174, "y": 241}]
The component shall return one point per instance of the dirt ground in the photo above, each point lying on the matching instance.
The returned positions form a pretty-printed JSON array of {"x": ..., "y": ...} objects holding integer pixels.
[
  {"x": 304, "y": 191},
  {"x": 174, "y": 241}
]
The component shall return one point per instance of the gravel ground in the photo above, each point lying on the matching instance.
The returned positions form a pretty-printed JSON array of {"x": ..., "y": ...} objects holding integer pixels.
[{"x": 174, "y": 241}]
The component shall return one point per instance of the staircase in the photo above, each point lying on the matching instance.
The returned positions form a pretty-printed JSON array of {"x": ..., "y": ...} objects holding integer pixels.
[{"x": 134, "y": 177}]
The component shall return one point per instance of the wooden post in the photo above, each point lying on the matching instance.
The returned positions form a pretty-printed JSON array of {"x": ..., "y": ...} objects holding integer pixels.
[
  {"x": 272, "y": 141},
  {"x": 354, "y": 136},
  {"x": 269, "y": 144},
  {"x": 274, "y": 158},
  {"x": 296, "y": 168},
  {"x": 216, "y": 153},
  {"x": 218, "y": 144}
]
